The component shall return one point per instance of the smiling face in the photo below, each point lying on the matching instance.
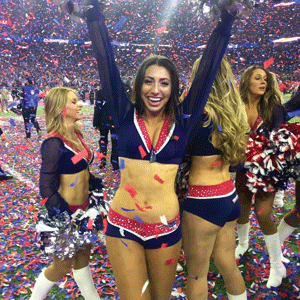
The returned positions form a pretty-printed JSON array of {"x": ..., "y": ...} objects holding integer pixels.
[
  {"x": 257, "y": 83},
  {"x": 73, "y": 107},
  {"x": 156, "y": 89}
]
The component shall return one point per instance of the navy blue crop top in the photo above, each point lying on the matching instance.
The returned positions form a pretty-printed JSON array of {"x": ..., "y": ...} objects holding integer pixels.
[
  {"x": 200, "y": 141},
  {"x": 133, "y": 140},
  {"x": 56, "y": 160}
]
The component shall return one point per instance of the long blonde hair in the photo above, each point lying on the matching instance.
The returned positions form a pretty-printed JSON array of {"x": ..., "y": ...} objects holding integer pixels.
[
  {"x": 272, "y": 97},
  {"x": 55, "y": 102},
  {"x": 226, "y": 110}
]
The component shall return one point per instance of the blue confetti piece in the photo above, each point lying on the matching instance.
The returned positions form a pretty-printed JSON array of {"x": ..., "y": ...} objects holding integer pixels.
[
  {"x": 220, "y": 128},
  {"x": 12, "y": 122},
  {"x": 137, "y": 218},
  {"x": 186, "y": 116},
  {"x": 75, "y": 182},
  {"x": 122, "y": 164},
  {"x": 125, "y": 244},
  {"x": 11, "y": 104},
  {"x": 29, "y": 125},
  {"x": 114, "y": 136},
  {"x": 127, "y": 209}
]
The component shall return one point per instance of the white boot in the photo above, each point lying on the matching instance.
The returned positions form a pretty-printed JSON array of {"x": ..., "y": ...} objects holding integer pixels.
[
  {"x": 284, "y": 230},
  {"x": 85, "y": 282},
  {"x": 278, "y": 200},
  {"x": 243, "y": 234},
  {"x": 237, "y": 297},
  {"x": 41, "y": 287},
  {"x": 277, "y": 270}
]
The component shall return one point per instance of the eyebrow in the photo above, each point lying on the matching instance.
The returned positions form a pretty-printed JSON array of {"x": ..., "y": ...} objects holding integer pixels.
[{"x": 164, "y": 78}]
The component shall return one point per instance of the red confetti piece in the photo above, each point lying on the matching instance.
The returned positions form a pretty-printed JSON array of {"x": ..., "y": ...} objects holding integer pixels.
[
  {"x": 78, "y": 157},
  {"x": 90, "y": 224},
  {"x": 130, "y": 189},
  {"x": 63, "y": 112},
  {"x": 104, "y": 194},
  {"x": 100, "y": 155},
  {"x": 156, "y": 177},
  {"x": 163, "y": 246},
  {"x": 43, "y": 202},
  {"x": 104, "y": 226},
  {"x": 140, "y": 207},
  {"x": 142, "y": 151},
  {"x": 217, "y": 163},
  {"x": 170, "y": 261},
  {"x": 176, "y": 138},
  {"x": 261, "y": 211}
]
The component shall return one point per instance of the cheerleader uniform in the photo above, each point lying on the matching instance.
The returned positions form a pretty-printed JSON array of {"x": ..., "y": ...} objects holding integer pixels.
[{"x": 133, "y": 139}]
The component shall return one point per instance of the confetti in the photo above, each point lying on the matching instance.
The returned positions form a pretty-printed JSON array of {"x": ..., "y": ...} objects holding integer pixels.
[
  {"x": 137, "y": 218},
  {"x": 127, "y": 209},
  {"x": 163, "y": 246},
  {"x": 163, "y": 219},
  {"x": 63, "y": 112},
  {"x": 75, "y": 182},
  {"x": 122, "y": 164},
  {"x": 44, "y": 200},
  {"x": 156, "y": 177},
  {"x": 78, "y": 157},
  {"x": 170, "y": 261},
  {"x": 90, "y": 224},
  {"x": 217, "y": 163},
  {"x": 125, "y": 244},
  {"x": 145, "y": 286},
  {"x": 100, "y": 155},
  {"x": 130, "y": 190},
  {"x": 142, "y": 151}
]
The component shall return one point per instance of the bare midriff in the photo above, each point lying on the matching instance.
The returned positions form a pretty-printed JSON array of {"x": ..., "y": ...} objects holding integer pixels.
[
  {"x": 148, "y": 186},
  {"x": 208, "y": 170},
  {"x": 74, "y": 188}
]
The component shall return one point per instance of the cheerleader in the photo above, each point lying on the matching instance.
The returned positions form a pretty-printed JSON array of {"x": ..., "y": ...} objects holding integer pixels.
[
  {"x": 262, "y": 98},
  {"x": 73, "y": 218}
]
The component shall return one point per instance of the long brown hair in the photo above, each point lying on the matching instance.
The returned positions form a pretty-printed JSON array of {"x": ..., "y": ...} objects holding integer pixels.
[{"x": 271, "y": 99}]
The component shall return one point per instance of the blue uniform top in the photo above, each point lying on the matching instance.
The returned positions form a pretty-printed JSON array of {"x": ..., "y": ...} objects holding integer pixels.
[
  {"x": 31, "y": 97},
  {"x": 133, "y": 139}
]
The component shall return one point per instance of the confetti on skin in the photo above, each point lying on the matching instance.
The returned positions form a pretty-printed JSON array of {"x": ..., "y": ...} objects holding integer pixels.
[
  {"x": 145, "y": 286},
  {"x": 75, "y": 182},
  {"x": 170, "y": 261},
  {"x": 196, "y": 278},
  {"x": 127, "y": 209},
  {"x": 43, "y": 202},
  {"x": 90, "y": 224},
  {"x": 163, "y": 246},
  {"x": 261, "y": 211},
  {"x": 125, "y": 244},
  {"x": 130, "y": 189},
  {"x": 217, "y": 163},
  {"x": 142, "y": 208},
  {"x": 156, "y": 177},
  {"x": 63, "y": 112},
  {"x": 137, "y": 218},
  {"x": 122, "y": 164},
  {"x": 163, "y": 219},
  {"x": 78, "y": 157},
  {"x": 142, "y": 151},
  {"x": 220, "y": 128}
]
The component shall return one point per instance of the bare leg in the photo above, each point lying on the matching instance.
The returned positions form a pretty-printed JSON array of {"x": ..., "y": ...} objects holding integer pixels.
[
  {"x": 224, "y": 258},
  {"x": 161, "y": 265},
  {"x": 198, "y": 241},
  {"x": 129, "y": 267}
]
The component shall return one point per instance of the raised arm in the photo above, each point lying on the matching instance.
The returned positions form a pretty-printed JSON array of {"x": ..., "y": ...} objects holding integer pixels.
[
  {"x": 51, "y": 151},
  {"x": 109, "y": 74},
  {"x": 195, "y": 101}
]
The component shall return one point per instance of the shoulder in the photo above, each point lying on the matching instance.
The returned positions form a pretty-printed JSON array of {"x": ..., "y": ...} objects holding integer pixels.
[{"x": 51, "y": 145}]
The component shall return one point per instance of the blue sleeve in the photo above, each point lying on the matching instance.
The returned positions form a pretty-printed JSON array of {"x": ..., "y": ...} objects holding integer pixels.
[
  {"x": 279, "y": 117},
  {"x": 51, "y": 151},
  {"x": 195, "y": 101},
  {"x": 110, "y": 79},
  {"x": 293, "y": 104}
]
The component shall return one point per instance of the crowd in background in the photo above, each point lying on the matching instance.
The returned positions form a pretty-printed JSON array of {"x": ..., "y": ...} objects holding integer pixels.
[{"x": 40, "y": 42}]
